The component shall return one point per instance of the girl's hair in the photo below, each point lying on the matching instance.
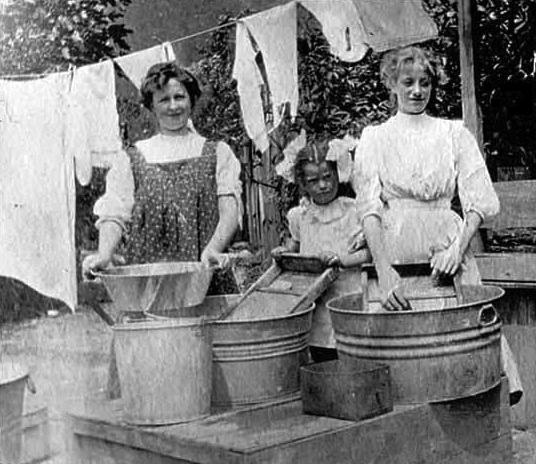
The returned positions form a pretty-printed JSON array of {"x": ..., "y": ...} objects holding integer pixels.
[
  {"x": 160, "y": 74},
  {"x": 393, "y": 62},
  {"x": 314, "y": 152}
]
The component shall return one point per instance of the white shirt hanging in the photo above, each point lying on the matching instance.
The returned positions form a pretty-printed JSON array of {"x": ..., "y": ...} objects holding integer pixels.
[
  {"x": 37, "y": 191},
  {"x": 249, "y": 81},
  {"x": 135, "y": 65},
  {"x": 274, "y": 31},
  {"x": 341, "y": 26},
  {"x": 93, "y": 89}
]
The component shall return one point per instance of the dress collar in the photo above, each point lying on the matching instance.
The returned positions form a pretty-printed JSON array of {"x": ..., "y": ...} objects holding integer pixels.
[
  {"x": 412, "y": 121},
  {"x": 326, "y": 213},
  {"x": 190, "y": 130}
]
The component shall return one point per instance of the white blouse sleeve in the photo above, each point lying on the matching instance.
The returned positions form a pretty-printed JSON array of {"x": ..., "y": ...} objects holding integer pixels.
[
  {"x": 366, "y": 177},
  {"x": 118, "y": 200},
  {"x": 228, "y": 176},
  {"x": 474, "y": 183}
]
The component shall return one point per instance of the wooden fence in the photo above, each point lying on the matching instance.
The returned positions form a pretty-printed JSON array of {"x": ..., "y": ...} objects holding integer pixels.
[{"x": 262, "y": 219}]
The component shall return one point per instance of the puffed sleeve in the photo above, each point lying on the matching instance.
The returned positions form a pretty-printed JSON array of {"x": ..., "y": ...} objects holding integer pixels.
[
  {"x": 474, "y": 183},
  {"x": 228, "y": 176},
  {"x": 293, "y": 217},
  {"x": 366, "y": 175},
  {"x": 117, "y": 202}
]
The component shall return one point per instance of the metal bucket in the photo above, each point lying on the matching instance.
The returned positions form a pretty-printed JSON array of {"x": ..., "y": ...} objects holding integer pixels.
[
  {"x": 254, "y": 359},
  {"x": 165, "y": 370},
  {"x": 13, "y": 380},
  {"x": 433, "y": 355}
]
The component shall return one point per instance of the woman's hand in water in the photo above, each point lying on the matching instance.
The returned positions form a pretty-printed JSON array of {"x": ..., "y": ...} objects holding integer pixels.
[
  {"x": 446, "y": 261},
  {"x": 393, "y": 298}
]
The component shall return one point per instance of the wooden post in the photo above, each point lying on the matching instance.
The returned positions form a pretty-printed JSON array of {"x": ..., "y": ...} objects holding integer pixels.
[{"x": 471, "y": 115}]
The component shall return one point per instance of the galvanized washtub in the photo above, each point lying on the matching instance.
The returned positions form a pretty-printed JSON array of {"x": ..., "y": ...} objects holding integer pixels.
[
  {"x": 255, "y": 359},
  {"x": 433, "y": 355}
]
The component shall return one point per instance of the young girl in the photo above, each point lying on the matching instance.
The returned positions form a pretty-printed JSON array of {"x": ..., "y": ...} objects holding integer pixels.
[{"x": 326, "y": 224}]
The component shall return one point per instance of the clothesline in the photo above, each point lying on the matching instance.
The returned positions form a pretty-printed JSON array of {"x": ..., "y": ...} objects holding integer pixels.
[{"x": 180, "y": 39}]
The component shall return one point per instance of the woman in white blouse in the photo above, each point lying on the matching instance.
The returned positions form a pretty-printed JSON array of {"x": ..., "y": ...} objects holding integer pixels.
[
  {"x": 176, "y": 195},
  {"x": 407, "y": 171}
]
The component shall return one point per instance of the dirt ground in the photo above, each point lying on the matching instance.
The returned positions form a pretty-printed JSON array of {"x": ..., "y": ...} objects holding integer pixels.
[{"x": 68, "y": 358}]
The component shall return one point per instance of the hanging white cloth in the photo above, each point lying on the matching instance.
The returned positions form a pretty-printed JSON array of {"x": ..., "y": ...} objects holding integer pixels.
[
  {"x": 77, "y": 141},
  {"x": 249, "y": 82},
  {"x": 93, "y": 90},
  {"x": 274, "y": 31},
  {"x": 393, "y": 23},
  {"x": 341, "y": 26},
  {"x": 37, "y": 191},
  {"x": 135, "y": 65}
]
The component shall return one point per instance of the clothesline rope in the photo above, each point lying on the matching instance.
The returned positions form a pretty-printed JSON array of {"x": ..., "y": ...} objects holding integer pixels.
[{"x": 180, "y": 39}]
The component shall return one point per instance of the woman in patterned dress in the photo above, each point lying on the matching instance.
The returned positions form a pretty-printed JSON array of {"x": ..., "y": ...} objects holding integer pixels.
[
  {"x": 176, "y": 195},
  {"x": 408, "y": 170}
]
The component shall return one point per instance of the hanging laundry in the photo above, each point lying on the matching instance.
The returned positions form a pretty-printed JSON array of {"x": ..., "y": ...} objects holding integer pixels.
[
  {"x": 249, "y": 82},
  {"x": 37, "y": 190},
  {"x": 341, "y": 26},
  {"x": 93, "y": 89},
  {"x": 135, "y": 65},
  {"x": 394, "y": 23},
  {"x": 274, "y": 31},
  {"x": 77, "y": 141}
]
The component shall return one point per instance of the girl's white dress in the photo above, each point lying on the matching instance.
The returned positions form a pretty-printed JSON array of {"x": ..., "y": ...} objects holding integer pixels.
[{"x": 335, "y": 227}]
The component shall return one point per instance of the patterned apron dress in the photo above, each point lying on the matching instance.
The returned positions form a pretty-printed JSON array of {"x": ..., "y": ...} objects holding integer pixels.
[
  {"x": 174, "y": 217},
  {"x": 175, "y": 212}
]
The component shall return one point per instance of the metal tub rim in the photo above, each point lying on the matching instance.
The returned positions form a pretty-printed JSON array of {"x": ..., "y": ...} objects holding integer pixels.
[{"x": 500, "y": 293}]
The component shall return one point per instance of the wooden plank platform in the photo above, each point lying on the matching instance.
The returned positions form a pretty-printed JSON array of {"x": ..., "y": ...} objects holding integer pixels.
[
  {"x": 469, "y": 431},
  {"x": 35, "y": 445},
  {"x": 508, "y": 270}
]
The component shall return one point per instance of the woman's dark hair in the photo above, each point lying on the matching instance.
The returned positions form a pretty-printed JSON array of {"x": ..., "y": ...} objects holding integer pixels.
[{"x": 160, "y": 74}]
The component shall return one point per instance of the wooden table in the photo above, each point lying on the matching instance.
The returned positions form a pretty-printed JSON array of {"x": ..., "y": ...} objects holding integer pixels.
[
  {"x": 469, "y": 431},
  {"x": 516, "y": 273}
]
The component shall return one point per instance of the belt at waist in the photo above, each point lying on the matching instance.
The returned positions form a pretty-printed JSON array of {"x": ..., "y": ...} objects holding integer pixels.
[{"x": 410, "y": 203}]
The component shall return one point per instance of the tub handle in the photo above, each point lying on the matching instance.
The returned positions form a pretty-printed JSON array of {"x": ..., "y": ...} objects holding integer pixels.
[{"x": 487, "y": 315}]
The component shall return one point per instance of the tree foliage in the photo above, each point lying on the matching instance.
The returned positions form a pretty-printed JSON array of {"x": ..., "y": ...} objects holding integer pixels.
[{"x": 39, "y": 36}]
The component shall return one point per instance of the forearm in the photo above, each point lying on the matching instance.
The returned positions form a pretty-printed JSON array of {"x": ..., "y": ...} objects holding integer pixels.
[
  {"x": 110, "y": 234},
  {"x": 227, "y": 224},
  {"x": 471, "y": 225},
  {"x": 356, "y": 259},
  {"x": 374, "y": 235}
]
